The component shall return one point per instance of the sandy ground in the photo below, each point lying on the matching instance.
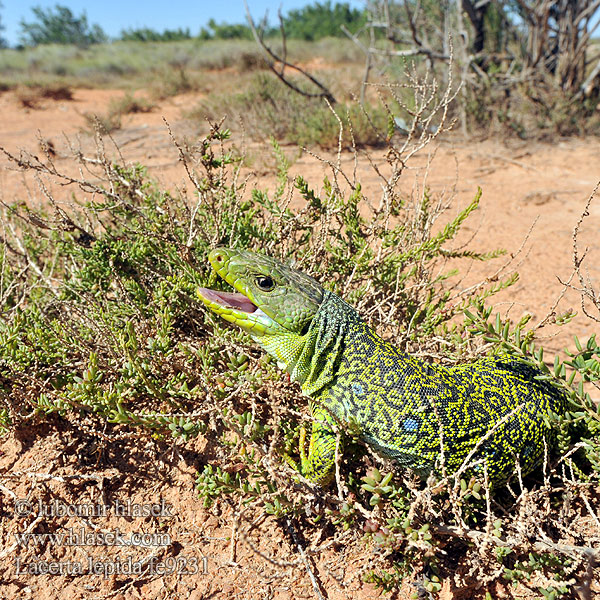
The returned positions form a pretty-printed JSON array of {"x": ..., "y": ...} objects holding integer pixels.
[{"x": 533, "y": 196}]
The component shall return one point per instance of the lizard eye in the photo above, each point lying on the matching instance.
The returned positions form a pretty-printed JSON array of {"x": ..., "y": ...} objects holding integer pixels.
[{"x": 266, "y": 284}]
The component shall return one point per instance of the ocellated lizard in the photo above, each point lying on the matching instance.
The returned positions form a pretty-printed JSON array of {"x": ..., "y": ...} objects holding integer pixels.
[{"x": 492, "y": 411}]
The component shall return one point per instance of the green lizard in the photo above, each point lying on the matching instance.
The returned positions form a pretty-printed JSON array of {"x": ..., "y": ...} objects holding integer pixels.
[{"x": 489, "y": 413}]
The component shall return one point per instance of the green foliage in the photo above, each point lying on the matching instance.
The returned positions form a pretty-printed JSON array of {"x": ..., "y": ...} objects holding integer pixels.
[
  {"x": 312, "y": 22},
  {"x": 225, "y": 31},
  {"x": 60, "y": 26},
  {"x": 127, "y": 272},
  {"x": 145, "y": 34},
  {"x": 536, "y": 563},
  {"x": 320, "y": 20}
]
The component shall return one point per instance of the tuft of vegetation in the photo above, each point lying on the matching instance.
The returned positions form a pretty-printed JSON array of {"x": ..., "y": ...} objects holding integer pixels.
[
  {"x": 267, "y": 108},
  {"x": 104, "y": 124},
  {"x": 60, "y": 26},
  {"x": 31, "y": 96},
  {"x": 225, "y": 31},
  {"x": 129, "y": 104},
  {"x": 117, "y": 109},
  {"x": 145, "y": 34}
]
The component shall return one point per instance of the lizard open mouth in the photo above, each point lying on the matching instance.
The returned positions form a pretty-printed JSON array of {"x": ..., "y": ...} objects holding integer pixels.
[
  {"x": 238, "y": 309},
  {"x": 229, "y": 300}
]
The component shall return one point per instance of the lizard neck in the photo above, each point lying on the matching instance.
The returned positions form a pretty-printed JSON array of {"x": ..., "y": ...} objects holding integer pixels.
[
  {"x": 341, "y": 352},
  {"x": 321, "y": 355}
]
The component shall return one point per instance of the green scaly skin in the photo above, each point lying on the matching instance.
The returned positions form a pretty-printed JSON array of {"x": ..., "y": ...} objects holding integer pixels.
[{"x": 490, "y": 413}]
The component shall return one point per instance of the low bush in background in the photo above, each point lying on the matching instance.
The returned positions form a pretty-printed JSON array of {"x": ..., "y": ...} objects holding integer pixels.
[
  {"x": 131, "y": 64},
  {"x": 267, "y": 108}
]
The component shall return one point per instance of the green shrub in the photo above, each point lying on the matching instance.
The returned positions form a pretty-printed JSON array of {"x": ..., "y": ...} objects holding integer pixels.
[
  {"x": 225, "y": 31},
  {"x": 320, "y": 20},
  {"x": 59, "y": 26}
]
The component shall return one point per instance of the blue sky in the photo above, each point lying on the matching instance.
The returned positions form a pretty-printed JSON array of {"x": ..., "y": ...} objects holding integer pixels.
[{"x": 115, "y": 15}]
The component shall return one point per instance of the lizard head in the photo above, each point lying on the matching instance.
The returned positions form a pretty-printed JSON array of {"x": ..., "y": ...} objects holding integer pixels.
[{"x": 271, "y": 299}]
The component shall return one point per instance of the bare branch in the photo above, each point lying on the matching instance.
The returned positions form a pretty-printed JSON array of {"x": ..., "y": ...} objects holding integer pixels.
[{"x": 273, "y": 59}]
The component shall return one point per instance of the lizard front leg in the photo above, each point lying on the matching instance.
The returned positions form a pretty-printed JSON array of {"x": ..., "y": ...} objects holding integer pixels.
[{"x": 318, "y": 466}]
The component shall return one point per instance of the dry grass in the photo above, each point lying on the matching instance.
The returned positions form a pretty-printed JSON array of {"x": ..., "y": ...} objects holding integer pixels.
[
  {"x": 117, "y": 109},
  {"x": 31, "y": 96},
  {"x": 132, "y": 65}
]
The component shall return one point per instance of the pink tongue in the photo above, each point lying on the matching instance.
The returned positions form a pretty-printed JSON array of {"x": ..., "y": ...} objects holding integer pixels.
[{"x": 230, "y": 299}]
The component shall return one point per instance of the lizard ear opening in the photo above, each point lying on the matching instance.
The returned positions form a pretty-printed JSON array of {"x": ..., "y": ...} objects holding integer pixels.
[{"x": 305, "y": 328}]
